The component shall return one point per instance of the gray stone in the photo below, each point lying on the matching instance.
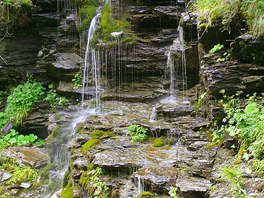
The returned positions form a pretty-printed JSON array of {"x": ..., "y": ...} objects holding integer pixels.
[
  {"x": 193, "y": 187},
  {"x": 25, "y": 185}
]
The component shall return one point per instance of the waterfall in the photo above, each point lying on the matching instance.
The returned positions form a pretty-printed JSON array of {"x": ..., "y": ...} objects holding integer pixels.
[
  {"x": 176, "y": 64},
  {"x": 92, "y": 65},
  {"x": 58, "y": 150}
]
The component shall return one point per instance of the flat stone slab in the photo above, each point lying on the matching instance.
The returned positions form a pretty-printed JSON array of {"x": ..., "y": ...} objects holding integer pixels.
[
  {"x": 35, "y": 157},
  {"x": 68, "y": 61}
]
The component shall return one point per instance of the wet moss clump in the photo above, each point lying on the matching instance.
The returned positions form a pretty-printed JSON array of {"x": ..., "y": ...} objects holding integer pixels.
[
  {"x": 89, "y": 145},
  {"x": 67, "y": 191},
  {"x": 98, "y": 134},
  {"x": 145, "y": 194},
  {"x": 109, "y": 25},
  {"x": 159, "y": 141}
]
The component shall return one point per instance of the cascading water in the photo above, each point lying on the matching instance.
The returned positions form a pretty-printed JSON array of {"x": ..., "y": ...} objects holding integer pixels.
[
  {"x": 176, "y": 64},
  {"x": 91, "y": 65},
  {"x": 58, "y": 150}
]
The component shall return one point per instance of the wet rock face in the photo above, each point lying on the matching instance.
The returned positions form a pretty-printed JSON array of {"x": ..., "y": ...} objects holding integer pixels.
[
  {"x": 135, "y": 167},
  {"x": 231, "y": 76},
  {"x": 18, "y": 56},
  {"x": 248, "y": 50}
]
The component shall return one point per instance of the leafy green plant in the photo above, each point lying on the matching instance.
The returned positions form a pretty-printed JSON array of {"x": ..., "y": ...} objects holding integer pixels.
[
  {"x": 234, "y": 177},
  {"x": 137, "y": 133},
  {"x": 15, "y": 139},
  {"x": 216, "y": 48},
  {"x": 91, "y": 182},
  {"x": 3, "y": 119},
  {"x": 53, "y": 98},
  {"x": 173, "y": 192},
  {"x": 244, "y": 122},
  {"x": 22, "y": 100},
  {"x": 77, "y": 81}
]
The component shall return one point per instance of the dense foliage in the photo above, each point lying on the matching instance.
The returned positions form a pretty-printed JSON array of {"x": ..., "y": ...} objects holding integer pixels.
[
  {"x": 15, "y": 139},
  {"x": 137, "y": 133},
  {"x": 22, "y": 100},
  {"x": 245, "y": 123},
  {"x": 230, "y": 12},
  {"x": 12, "y": 12}
]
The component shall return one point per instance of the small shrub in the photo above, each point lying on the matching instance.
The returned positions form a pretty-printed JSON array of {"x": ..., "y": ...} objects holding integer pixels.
[
  {"x": 53, "y": 98},
  {"x": 77, "y": 80},
  {"x": 137, "y": 133},
  {"x": 244, "y": 122}
]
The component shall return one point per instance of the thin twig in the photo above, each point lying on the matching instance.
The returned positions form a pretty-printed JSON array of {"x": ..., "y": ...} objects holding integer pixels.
[{"x": 3, "y": 59}]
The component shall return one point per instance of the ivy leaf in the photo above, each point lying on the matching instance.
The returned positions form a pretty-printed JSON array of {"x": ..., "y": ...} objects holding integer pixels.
[{"x": 252, "y": 108}]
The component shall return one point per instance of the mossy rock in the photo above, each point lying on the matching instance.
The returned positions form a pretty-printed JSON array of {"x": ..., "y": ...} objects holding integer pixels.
[
  {"x": 98, "y": 134},
  {"x": 89, "y": 145},
  {"x": 145, "y": 194}
]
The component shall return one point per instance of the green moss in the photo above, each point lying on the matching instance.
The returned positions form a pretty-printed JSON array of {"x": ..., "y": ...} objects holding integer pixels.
[
  {"x": 160, "y": 141},
  {"x": 65, "y": 178},
  {"x": 109, "y": 25},
  {"x": 89, "y": 145},
  {"x": 145, "y": 194},
  {"x": 87, "y": 13},
  {"x": 97, "y": 134},
  {"x": 67, "y": 192}
]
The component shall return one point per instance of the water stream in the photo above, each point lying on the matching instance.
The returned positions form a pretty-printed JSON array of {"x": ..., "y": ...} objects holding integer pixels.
[
  {"x": 176, "y": 65},
  {"x": 58, "y": 149},
  {"x": 91, "y": 66}
]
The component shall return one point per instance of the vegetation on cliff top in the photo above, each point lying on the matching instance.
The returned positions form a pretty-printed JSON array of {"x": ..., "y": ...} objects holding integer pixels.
[
  {"x": 13, "y": 13},
  {"x": 227, "y": 13}
]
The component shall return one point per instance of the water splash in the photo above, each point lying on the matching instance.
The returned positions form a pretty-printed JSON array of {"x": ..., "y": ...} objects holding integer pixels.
[
  {"x": 140, "y": 184},
  {"x": 153, "y": 114}
]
